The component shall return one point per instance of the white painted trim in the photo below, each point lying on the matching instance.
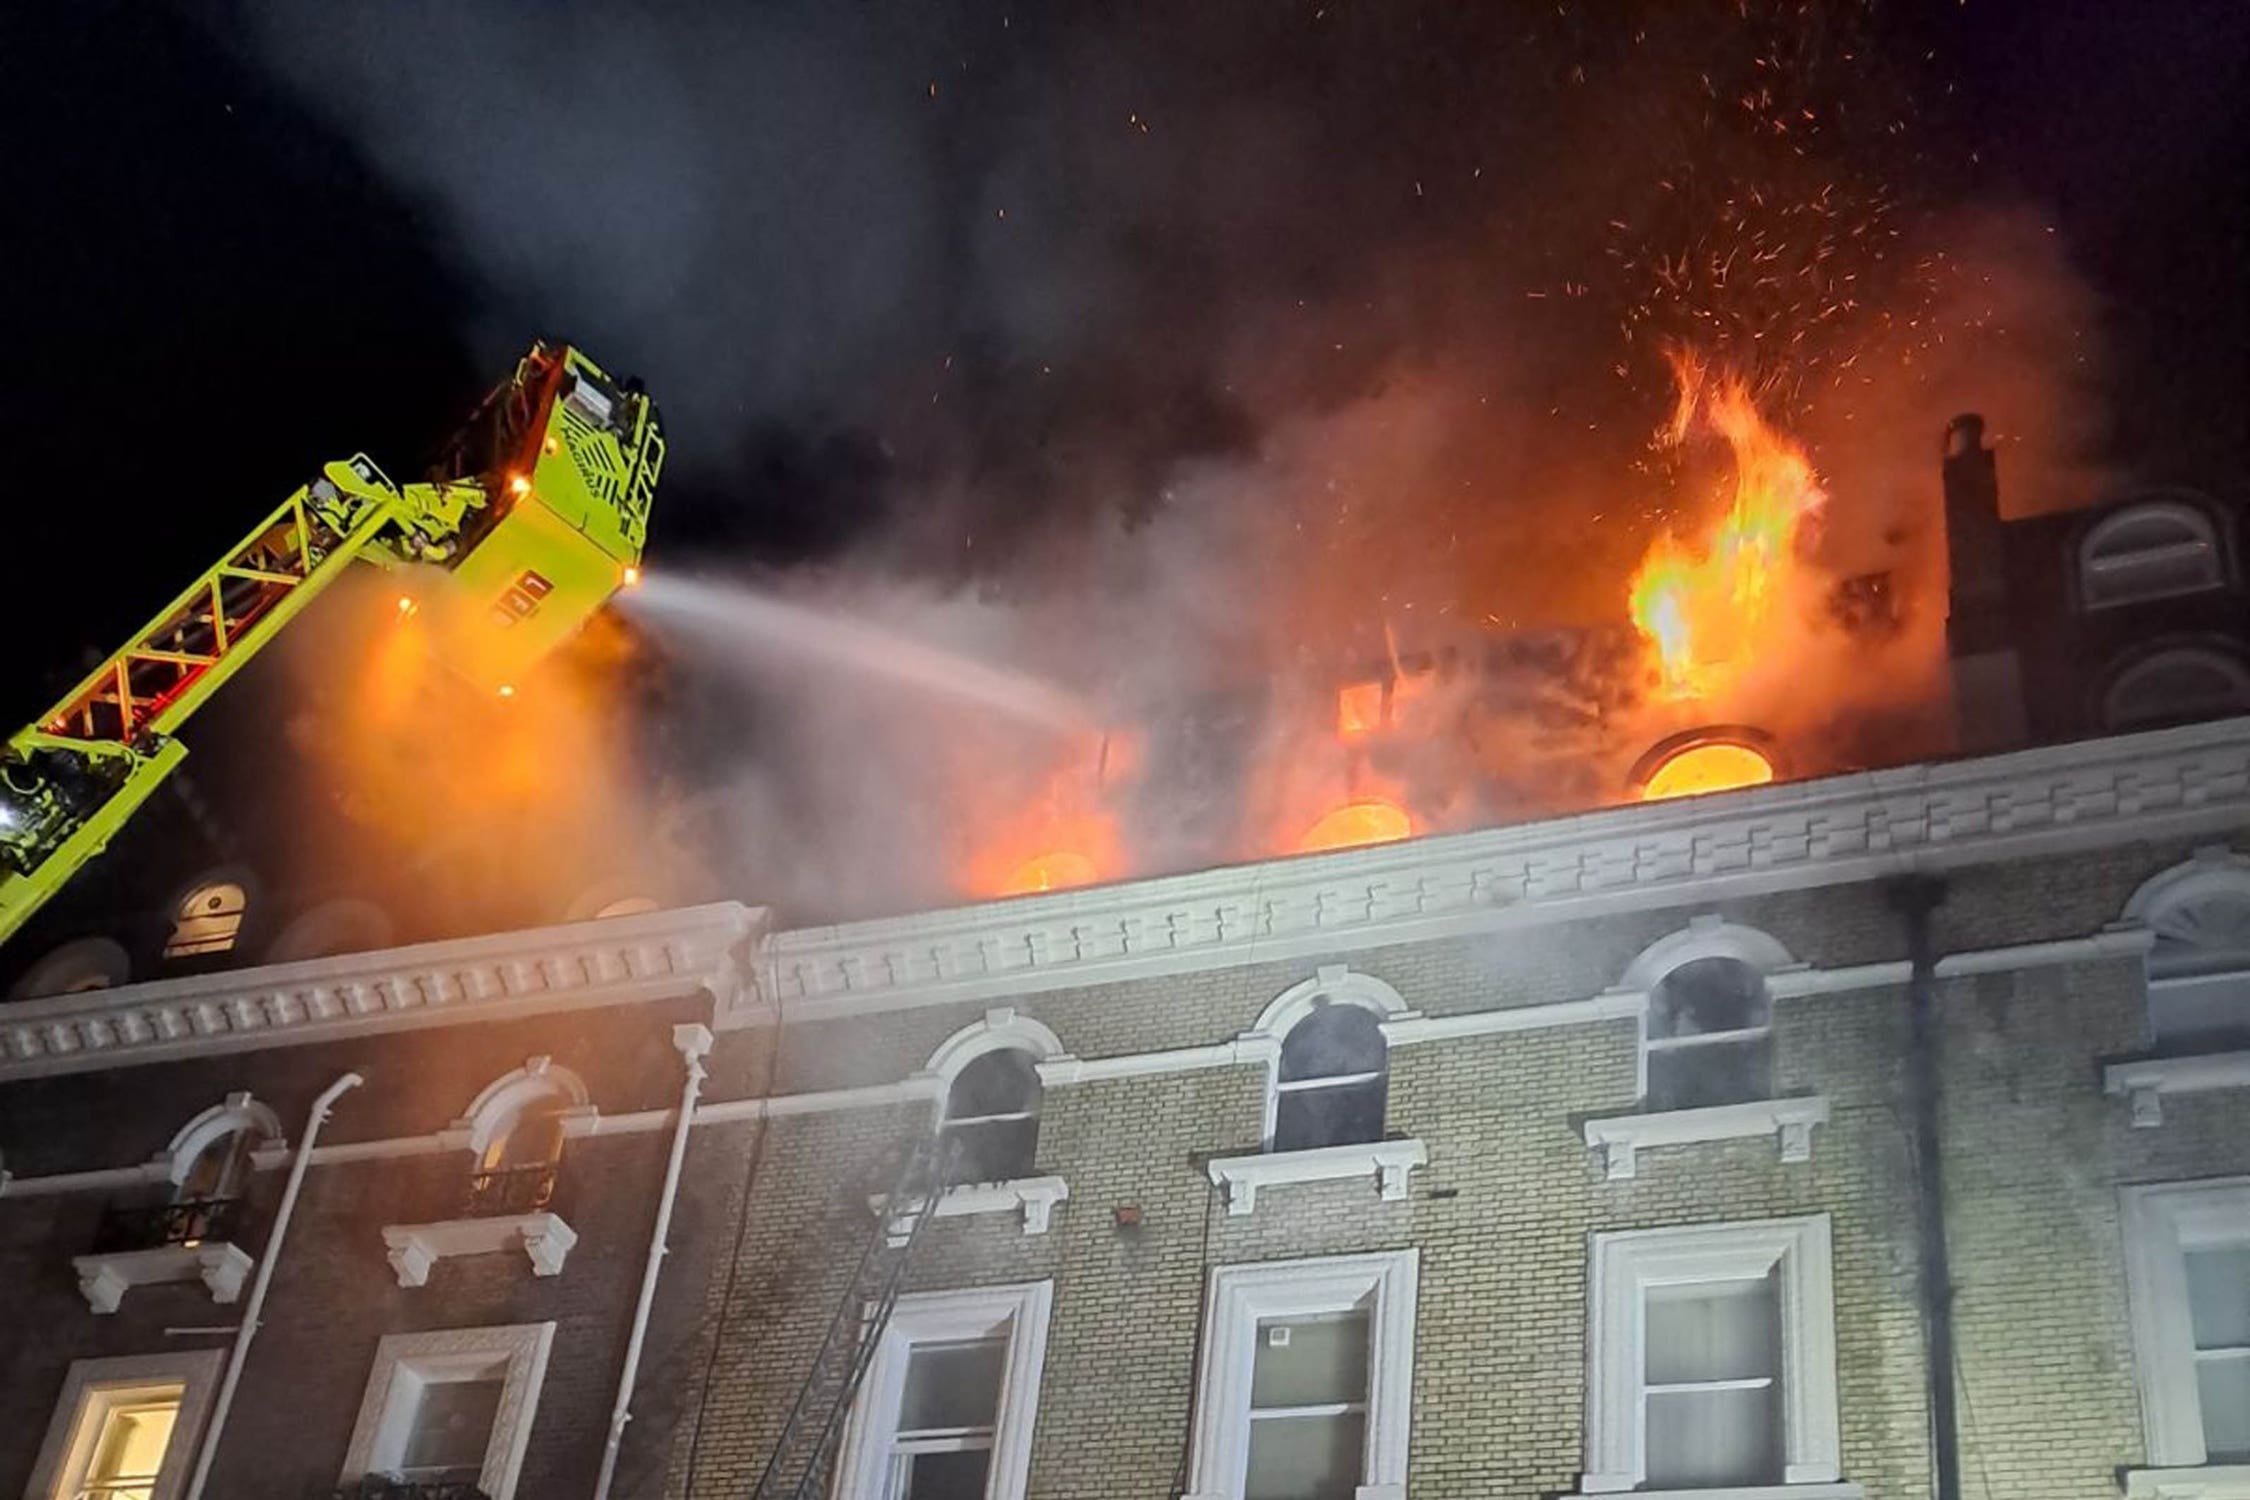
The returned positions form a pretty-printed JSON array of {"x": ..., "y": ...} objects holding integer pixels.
[
  {"x": 403, "y": 1360},
  {"x": 1627, "y": 1263},
  {"x": 1239, "y": 1296},
  {"x": 413, "y": 1249},
  {"x": 500, "y": 1103},
  {"x": 1785, "y": 836},
  {"x": 2110, "y": 942},
  {"x": 104, "y": 1279},
  {"x": 1610, "y": 1005},
  {"x": 238, "y": 1112},
  {"x": 1389, "y": 1163},
  {"x": 1705, "y": 937},
  {"x": 2161, "y": 1222},
  {"x": 1242, "y": 1051},
  {"x": 929, "y": 1317},
  {"x": 1620, "y": 1138},
  {"x": 2146, "y": 1080},
  {"x": 2212, "y": 869},
  {"x": 1331, "y": 984},
  {"x": 1032, "y": 1199},
  {"x": 63, "y": 1455},
  {"x": 1800, "y": 983},
  {"x": 1001, "y": 1030},
  {"x": 1840, "y": 1491},
  {"x": 2218, "y": 1482},
  {"x": 616, "y": 961}
]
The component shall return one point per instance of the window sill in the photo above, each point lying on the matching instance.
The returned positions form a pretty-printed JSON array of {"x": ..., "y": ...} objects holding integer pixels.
[
  {"x": 1827, "y": 1491},
  {"x": 104, "y": 1279},
  {"x": 2215, "y": 1482},
  {"x": 2147, "y": 1080},
  {"x": 1620, "y": 1138},
  {"x": 1033, "y": 1198},
  {"x": 1388, "y": 1162},
  {"x": 414, "y": 1248}
]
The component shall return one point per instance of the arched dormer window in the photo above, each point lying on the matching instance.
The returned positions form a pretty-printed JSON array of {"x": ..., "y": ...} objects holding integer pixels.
[
  {"x": 1330, "y": 1085},
  {"x": 990, "y": 1118},
  {"x": 2153, "y": 550},
  {"x": 2177, "y": 685},
  {"x": 2199, "y": 965},
  {"x": 516, "y": 1128},
  {"x": 1708, "y": 1035},
  {"x": 207, "y": 919}
]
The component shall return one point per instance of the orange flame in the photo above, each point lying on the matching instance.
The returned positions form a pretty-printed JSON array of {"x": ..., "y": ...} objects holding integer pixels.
[
  {"x": 1719, "y": 766},
  {"x": 1706, "y": 610},
  {"x": 1367, "y": 821}
]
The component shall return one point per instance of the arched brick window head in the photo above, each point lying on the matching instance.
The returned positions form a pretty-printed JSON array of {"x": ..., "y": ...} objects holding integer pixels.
[
  {"x": 992, "y": 1117},
  {"x": 1333, "y": 1080},
  {"x": 1710, "y": 1035}
]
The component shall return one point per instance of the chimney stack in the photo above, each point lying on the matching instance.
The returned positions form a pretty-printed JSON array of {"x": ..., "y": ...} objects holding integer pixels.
[{"x": 1988, "y": 707}]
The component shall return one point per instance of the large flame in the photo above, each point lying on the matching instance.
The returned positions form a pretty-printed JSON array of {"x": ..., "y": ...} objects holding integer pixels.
[
  {"x": 1706, "y": 609},
  {"x": 1370, "y": 820}
]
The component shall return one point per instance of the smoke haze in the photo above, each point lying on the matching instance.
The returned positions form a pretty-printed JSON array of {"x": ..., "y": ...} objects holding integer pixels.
[{"x": 1185, "y": 360}]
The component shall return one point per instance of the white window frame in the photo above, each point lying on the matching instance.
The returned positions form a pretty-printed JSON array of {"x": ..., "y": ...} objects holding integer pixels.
[
  {"x": 404, "y": 1360},
  {"x": 1704, "y": 937},
  {"x": 1332, "y": 984},
  {"x": 1384, "y": 1284},
  {"x": 1627, "y": 1263},
  {"x": 94, "y": 1386},
  {"x": 2162, "y": 1221},
  {"x": 1018, "y": 1311}
]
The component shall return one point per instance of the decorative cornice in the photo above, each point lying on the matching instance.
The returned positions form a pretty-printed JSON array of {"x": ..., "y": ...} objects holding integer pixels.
[
  {"x": 652, "y": 956},
  {"x": 1794, "y": 835}
]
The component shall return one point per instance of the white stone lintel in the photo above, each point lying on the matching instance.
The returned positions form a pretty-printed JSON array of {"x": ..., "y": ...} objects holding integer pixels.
[
  {"x": 1390, "y": 1163},
  {"x": 104, "y": 1279},
  {"x": 1621, "y": 1138},
  {"x": 1592, "y": 1485},
  {"x": 2210, "y": 1482},
  {"x": 414, "y": 1248},
  {"x": 2146, "y": 1080}
]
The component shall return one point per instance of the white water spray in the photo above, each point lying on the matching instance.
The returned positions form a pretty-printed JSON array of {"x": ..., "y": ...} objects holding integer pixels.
[{"x": 737, "y": 615}]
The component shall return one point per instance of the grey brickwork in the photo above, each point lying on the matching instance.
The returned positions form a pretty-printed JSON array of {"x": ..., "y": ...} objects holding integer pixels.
[{"x": 2032, "y": 1154}]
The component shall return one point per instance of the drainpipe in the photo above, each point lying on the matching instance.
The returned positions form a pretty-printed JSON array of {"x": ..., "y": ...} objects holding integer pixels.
[
  {"x": 693, "y": 1041},
  {"x": 247, "y": 1330},
  {"x": 1914, "y": 898}
]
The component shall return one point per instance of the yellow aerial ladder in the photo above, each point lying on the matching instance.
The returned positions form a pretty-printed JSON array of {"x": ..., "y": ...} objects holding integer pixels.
[{"x": 536, "y": 515}]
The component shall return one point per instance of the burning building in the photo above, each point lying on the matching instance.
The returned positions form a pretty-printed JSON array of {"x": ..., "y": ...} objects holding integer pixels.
[{"x": 1695, "y": 1100}]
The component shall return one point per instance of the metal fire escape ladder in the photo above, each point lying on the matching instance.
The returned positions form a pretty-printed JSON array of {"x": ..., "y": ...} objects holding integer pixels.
[{"x": 805, "y": 1453}]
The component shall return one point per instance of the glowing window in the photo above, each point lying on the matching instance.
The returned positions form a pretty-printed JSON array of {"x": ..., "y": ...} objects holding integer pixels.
[
  {"x": 1715, "y": 767},
  {"x": 1333, "y": 1080},
  {"x": 2175, "y": 687},
  {"x": 2150, "y": 551},
  {"x": 218, "y": 1170},
  {"x": 1710, "y": 1036},
  {"x": 992, "y": 1117},
  {"x": 208, "y": 920},
  {"x": 125, "y": 1427}
]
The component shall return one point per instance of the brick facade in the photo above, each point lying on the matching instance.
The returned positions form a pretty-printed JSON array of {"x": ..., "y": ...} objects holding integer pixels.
[{"x": 773, "y": 1208}]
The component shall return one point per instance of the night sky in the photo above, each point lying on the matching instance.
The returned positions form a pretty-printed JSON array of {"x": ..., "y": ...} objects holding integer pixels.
[{"x": 933, "y": 283}]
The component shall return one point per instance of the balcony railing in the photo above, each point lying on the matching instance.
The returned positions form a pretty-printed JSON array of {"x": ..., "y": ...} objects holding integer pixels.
[
  {"x": 190, "y": 1222},
  {"x": 510, "y": 1190},
  {"x": 383, "y": 1487}
]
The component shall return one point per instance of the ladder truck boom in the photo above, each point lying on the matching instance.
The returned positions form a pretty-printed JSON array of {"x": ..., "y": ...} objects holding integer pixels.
[{"x": 533, "y": 518}]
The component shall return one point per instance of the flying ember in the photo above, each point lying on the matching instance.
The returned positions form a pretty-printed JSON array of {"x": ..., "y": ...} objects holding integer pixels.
[{"x": 1707, "y": 608}]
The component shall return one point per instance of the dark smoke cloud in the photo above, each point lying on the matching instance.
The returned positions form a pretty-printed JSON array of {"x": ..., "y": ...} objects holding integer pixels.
[{"x": 1181, "y": 352}]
